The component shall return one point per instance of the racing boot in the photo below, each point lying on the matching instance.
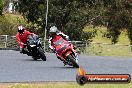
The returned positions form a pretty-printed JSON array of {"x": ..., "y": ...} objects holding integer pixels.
[
  {"x": 62, "y": 60},
  {"x": 59, "y": 58},
  {"x": 76, "y": 56},
  {"x": 23, "y": 51}
]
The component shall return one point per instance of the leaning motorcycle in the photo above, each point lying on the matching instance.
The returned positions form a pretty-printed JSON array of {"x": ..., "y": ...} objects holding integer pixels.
[
  {"x": 35, "y": 48},
  {"x": 66, "y": 52}
]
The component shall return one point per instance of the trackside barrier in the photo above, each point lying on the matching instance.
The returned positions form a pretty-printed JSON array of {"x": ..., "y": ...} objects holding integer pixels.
[
  {"x": 93, "y": 48},
  {"x": 8, "y": 42}
]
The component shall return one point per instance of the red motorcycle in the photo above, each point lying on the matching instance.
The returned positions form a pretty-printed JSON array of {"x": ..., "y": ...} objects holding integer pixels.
[{"x": 66, "y": 52}]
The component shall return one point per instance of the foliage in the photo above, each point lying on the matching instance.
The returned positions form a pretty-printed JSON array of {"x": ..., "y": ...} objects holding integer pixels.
[
  {"x": 1, "y": 6},
  {"x": 67, "y": 15},
  {"x": 6, "y": 5},
  {"x": 119, "y": 17},
  {"x": 115, "y": 15},
  {"x": 9, "y": 23},
  {"x": 71, "y": 16}
]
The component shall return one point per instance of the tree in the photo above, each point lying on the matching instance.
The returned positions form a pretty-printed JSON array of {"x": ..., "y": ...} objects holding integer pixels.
[
  {"x": 68, "y": 15},
  {"x": 116, "y": 15},
  {"x": 71, "y": 16},
  {"x": 9, "y": 24},
  {"x": 1, "y": 6},
  {"x": 119, "y": 17},
  {"x": 6, "y": 5}
]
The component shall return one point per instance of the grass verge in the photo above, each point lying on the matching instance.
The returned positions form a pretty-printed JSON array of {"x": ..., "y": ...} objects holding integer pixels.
[
  {"x": 103, "y": 46},
  {"x": 65, "y": 85},
  {"x": 108, "y": 50}
]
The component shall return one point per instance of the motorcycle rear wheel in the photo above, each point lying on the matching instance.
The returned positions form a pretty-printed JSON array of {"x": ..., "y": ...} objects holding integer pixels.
[
  {"x": 42, "y": 55},
  {"x": 75, "y": 64}
]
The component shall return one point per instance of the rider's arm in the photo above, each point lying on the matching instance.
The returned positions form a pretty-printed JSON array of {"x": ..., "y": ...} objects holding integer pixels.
[
  {"x": 28, "y": 33},
  {"x": 19, "y": 40},
  {"x": 63, "y": 35},
  {"x": 50, "y": 45}
]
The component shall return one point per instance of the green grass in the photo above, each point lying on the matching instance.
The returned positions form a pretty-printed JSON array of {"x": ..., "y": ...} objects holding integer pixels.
[
  {"x": 67, "y": 85},
  {"x": 108, "y": 50},
  {"x": 97, "y": 47},
  {"x": 123, "y": 38},
  {"x": 99, "y": 37}
]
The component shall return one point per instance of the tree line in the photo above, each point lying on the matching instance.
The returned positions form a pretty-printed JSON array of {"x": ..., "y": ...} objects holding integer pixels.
[{"x": 71, "y": 16}]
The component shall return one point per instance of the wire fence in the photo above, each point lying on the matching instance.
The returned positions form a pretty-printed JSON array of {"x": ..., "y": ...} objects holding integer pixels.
[{"x": 9, "y": 42}]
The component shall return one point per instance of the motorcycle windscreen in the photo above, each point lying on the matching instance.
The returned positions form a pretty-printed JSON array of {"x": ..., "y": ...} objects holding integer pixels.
[
  {"x": 60, "y": 45},
  {"x": 33, "y": 39}
]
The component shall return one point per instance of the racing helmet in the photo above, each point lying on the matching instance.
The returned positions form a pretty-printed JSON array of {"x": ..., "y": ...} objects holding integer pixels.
[
  {"x": 21, "y": 29},
  {"x": 53, "y": 30}
]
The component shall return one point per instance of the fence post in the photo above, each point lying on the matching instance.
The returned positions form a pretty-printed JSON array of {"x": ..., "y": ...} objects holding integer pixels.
[
  {"x": 5, "y": 40},
  {"x": 85, "y": 51},
  {"x": 129, "y": 49}
]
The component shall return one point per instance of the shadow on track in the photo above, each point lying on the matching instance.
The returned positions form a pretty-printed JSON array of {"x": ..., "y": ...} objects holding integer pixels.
[
  {"x": 30, "y": 60},
  {"x": 64, "y": 67}
]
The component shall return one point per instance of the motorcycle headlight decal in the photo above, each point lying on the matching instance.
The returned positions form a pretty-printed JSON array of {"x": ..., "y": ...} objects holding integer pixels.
[
  {"x": 38, "y": 42},
  {"x": 32, "y": 45}
]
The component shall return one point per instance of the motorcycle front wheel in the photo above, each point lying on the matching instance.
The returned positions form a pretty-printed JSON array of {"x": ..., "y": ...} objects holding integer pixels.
[
  {"x": 72, "y": 59},
  {"x": 42, "y": 55}
]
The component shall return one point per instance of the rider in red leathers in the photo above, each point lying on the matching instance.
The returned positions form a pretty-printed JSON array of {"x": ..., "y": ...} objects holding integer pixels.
[
  {"x": 21, "y": 38},
  {"x": 56, "y": 35}
]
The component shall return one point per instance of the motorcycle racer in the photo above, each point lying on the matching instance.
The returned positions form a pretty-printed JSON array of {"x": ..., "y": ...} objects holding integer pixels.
[
  {"x": 55, "y": 36},
  {"x": 54, "y": 32},
  {"x": 21, "y": 38}
]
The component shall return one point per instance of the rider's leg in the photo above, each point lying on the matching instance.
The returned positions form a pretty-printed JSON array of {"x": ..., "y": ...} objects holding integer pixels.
[
  {"x": 21, "y": 50},
  {"x": 58, "y": 57},
  {"x": 76, "y": 54},
  {"x": 24, "y": 51}
]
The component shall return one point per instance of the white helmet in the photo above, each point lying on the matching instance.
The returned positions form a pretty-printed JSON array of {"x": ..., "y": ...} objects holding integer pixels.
[{"x": 53, "y": 29}]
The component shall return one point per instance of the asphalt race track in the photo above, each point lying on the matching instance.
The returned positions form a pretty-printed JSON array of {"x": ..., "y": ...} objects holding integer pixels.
[{"x": 16, "y": 67}]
